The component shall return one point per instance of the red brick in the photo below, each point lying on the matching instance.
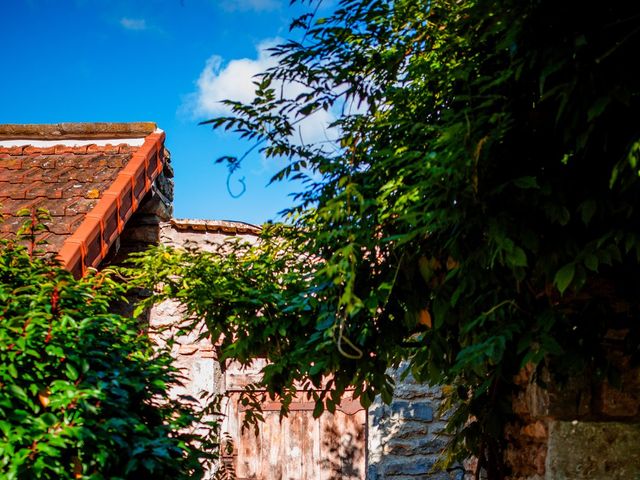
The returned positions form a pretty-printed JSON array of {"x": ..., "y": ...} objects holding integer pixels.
[
  {"x": 622, "y": 402},
  {"x": 106, "y": 149},
  {"x": 10, "y": 206},
  {"x": 63, "y": 149},
  {"x": 31, "y": 175},
  {"x": 101, "y": 185},
  {"x": 76, "y": 161},
  {"x": 118, "y": 161},
  {"x": 74, "y": 222},
  {"x": 74, "y": 189},
  {"x": 79, "y": 206},
  {"x": 58, "y": 207},
  {"x": 55, "y": 193},
  {"x": 39, "y": 202},
  {"x": 60, "y": 226},
  {"x": 105, "y": 173},
  {"x": 41, "y": 189},
  {"x": 15, "y": 191},
  {"x": 12, "y": 223},
  {"x": 57, "y": 176},
  {"x": 42, "y": 161},
  {"x": 535, "y": 430},
  {"x": 31, "y": 150},
  {"x": 80, "y": 150},
  {"x": 97, "y": 161},
  {"x": 5, "y": 177},
  {"x": 80, "y": 175},
  {"x": 124, "y": 148},
  {"x": 10, "y": 163},
  {"x": 49, "y": 242},
  {"x": 12, "y": 150}
]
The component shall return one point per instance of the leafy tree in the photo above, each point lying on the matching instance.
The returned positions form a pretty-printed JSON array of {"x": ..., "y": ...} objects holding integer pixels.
[
  {"x": 83, "y": 392},
  {"x": 477, "y": 211}
]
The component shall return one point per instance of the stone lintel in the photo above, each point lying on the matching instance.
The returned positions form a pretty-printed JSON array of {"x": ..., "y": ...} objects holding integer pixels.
[{"x": 60, "y": 131}]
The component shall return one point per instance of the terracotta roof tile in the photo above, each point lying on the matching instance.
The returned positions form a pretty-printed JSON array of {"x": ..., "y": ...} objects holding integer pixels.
[
  {"x": 72, "y": 180},
  {"x": 58, "y": 183}
]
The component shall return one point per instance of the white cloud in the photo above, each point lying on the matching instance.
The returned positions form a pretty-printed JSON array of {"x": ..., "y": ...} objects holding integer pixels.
[
  {"x": 245, "y": 5},
  {"x": 133, "y": 23},
  {"x": 234, "y": 81}
]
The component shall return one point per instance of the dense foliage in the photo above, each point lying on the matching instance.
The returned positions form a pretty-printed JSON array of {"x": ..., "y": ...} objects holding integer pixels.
[
  {"x": 478, "y": 210},
  {"x": 83, "y": 392}
]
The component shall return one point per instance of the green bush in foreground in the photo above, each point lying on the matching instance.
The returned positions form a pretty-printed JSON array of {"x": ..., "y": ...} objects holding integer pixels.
[{"x": 83, "y": 393}]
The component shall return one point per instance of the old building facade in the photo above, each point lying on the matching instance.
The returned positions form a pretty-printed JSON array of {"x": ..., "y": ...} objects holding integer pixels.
[{"x": 108, "y": 188}]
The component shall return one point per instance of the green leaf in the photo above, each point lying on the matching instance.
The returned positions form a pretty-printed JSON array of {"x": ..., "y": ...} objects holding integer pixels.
[
  {"x": 551, "y": 345},
  {"x": 517, "y": 257},
  {"x": 587, "y": 209},
  {"x": 564, "y": 276},
  {"x": 72, "y": 372},
  {"x": 597, "y": 108},
  {"x": 526, "y": 182},
  {"x": 591, "y": 262},
  {"x": 19, "y": 392},
  {"x": 318, "y": 409}
]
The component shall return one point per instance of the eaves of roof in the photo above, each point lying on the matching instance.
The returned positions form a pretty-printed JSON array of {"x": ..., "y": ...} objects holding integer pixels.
[{"x": 90, "y": 242}]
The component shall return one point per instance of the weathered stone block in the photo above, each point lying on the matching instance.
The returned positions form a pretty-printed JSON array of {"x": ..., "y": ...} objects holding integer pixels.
[
  {"x": 412, "y": 410},
  {"x": 147, "y": 234},
  {"x": 419, "y": 445},
  {"x": 536, "y": 430},
  {"x": 593, "y": 451},
  {"x": 562, "y": 401},
  {"x": 623, "y": 401},
  {"x": 526, "y": 458},
  {"x": 409, "y": 466}
]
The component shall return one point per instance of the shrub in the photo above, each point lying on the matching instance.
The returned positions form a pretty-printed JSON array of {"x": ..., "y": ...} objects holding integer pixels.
[{"x": 83, "y": 391}]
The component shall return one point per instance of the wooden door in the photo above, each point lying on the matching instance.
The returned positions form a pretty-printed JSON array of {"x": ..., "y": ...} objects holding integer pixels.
[{"x": 297, "y": 447}]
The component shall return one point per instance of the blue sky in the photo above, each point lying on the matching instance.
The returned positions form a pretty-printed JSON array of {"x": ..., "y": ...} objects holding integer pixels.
[{"x": 167, "y": 61}]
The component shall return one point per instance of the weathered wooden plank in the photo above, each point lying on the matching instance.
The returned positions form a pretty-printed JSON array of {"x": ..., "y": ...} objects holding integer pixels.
[
  {"x": 343, "y": 446},
  {"x": 297, "y": 447}
]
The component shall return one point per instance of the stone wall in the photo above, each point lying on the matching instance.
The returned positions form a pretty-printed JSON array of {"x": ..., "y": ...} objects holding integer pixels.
[
  {"x": 406, "y": 437},
  {"x": 577, "y": 430},
  {"x": 143, "y": 228},
  {"x": 581, "y": 429},
  {"x": 193, "y": 351}
]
